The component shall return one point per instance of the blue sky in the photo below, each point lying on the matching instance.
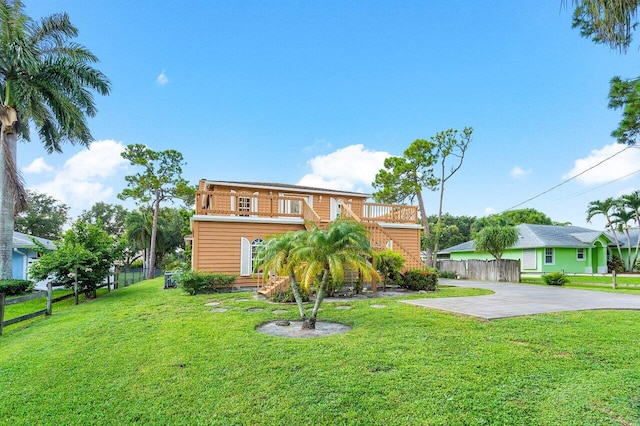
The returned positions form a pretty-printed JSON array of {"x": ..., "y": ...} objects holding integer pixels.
[{"x": 320, "y": 92}]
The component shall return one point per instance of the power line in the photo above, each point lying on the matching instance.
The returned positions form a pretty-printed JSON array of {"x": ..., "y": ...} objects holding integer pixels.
[
  {"x": 599, "y": 186},
  {"x": 567, "y": 180}
]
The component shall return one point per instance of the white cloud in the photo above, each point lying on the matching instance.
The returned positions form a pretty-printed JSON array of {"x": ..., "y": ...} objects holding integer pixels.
[
  {"x": 352, "y": 168},
  {"x": 618, "y": 167},
  {"x": 518, "y": 172},
  {"x": 37, "y": 166},
  {"x": 489, "y": 210},
  {"x": 80, "y": 181},
  {"x": 162, "y": 79}
]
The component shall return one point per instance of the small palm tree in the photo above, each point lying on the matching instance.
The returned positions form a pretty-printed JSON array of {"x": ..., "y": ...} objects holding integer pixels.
[
  {"x": 45, "y": 81},
  {"x": 632, "y": 202},
  {"x": 326, "y": 254},
  {"x": 620, "y": 220},
  {"x": 605, "y": 208},
  {"x": 275, "y": 256}
]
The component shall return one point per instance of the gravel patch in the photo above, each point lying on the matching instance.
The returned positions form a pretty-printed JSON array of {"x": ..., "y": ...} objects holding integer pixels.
[{"x": 294, "y": 330}]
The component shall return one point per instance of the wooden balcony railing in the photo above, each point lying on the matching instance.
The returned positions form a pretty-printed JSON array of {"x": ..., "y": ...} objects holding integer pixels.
[
  {"x": 219, "y": 203},
  {"x": 247, "y": 203},
  {"x": 394, "y": 213}
]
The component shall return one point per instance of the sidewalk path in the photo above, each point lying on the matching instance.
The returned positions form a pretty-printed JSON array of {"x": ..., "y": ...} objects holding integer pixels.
[{"x": 512, "y": 300}]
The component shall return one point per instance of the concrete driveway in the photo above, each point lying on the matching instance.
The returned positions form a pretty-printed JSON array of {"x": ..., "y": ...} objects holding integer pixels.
[{"x": 512, "y": 300}]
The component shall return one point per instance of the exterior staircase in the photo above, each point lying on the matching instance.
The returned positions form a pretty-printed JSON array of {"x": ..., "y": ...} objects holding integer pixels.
[
  {"x": 380, "y": 240},
  {"x": 274, "y": 285}
]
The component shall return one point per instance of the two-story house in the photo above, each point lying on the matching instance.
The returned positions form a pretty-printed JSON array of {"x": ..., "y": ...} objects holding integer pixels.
[{"x": 233, "y": 218}]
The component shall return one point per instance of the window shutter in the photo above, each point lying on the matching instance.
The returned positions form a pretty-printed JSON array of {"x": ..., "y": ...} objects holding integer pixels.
[{"x": 245, "y": 257}]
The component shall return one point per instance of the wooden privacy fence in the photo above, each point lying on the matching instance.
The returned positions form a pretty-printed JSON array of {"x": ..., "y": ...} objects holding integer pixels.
[{"x": 505, "y": 270}]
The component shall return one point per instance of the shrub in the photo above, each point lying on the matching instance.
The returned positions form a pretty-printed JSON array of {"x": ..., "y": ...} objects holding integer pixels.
[
  {"x": 420, "y": 279},
  {"x": 286, "y": 296},
  {"x": 555, "y": 278},
  {"x": 15, "y": 287},
  {"x": 446, "y": 274},
  {"x": 195, "y": 281},
  {"x": 388, "y": 263},
  {"x": 615, "y": 264}
]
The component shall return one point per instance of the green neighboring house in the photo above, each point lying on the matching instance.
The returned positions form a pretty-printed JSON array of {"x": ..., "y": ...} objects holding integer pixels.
[{"x": 547, "y": 248}]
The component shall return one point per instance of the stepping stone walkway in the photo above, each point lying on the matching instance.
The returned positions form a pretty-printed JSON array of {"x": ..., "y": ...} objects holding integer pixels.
[
  {"x": 378, "y": 306},
  {"x": 343, "y": 307},
  {"x": 219, "y": 310},
  {"x": 255, "y": 309},
  {"x": 279, "y": 311},
  {"x": 212, "y": 304},
  {"x": 242, "y": 300}
]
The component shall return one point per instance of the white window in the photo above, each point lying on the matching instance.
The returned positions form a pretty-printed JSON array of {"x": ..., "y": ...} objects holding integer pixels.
[
  {"x": 549, "y": 258},
  {"x": 245, "y": 203},
  {"x": 580, "y": 254},
  {"x": 248, "y": 254},
  {"x": 254, "y": 250}
]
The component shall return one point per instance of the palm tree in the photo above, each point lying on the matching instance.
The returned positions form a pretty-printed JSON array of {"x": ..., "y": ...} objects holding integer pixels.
[
  {"x": 275, "y": 256},
  {"x": 632, "y": 202},
  {"x": 138, "y": 225},
  {"x": 604, "y": 208},
  {"x": 45, "y": 81},
  {"x": 621, "y": 219},
  {"x": 325, "y": 254}
]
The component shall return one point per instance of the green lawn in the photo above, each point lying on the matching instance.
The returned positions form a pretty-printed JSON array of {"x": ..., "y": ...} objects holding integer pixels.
[
  {"x": 144, "y": 355},
  {"x": 625, "y": 284}
]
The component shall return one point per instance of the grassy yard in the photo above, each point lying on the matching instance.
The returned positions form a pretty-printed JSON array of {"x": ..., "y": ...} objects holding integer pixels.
[
  {"x": 625, "y": 284},
  {"x": 146, "y": 355}
]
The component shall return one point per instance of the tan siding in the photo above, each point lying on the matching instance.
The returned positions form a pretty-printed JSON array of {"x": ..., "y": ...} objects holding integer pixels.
[
  {"x": 409, "y": 239},
  {"x": 322, "y": 207},
  {"x": 217, "y": 246}
]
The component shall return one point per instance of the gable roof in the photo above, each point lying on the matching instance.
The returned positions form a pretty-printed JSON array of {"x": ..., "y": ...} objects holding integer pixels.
[
  {"x": 535, "y": 236},
  {"x": 283, "y": 186},
  {"x": 21, "y": 240}
]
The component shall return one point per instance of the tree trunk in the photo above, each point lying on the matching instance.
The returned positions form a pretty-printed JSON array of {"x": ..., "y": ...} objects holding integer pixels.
[
  {"x": 311, "y": 324},
  {"x": 296, "y": 295},
  {"x": 425, "y": 226},
  {"x": 154, "y": 234},
  {"x": 7, "y": 207}
]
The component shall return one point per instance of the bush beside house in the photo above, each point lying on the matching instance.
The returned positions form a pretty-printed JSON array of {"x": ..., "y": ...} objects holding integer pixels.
[{"x": 197, "y": 282}]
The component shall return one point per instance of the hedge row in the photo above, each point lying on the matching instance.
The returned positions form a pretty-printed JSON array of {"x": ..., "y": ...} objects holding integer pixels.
[
  {"x": 196, "y": 282},
  {"x": 15, "y": 287}
]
